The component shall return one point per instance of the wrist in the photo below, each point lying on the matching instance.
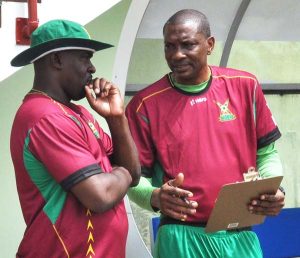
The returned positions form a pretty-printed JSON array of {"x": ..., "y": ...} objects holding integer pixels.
[
  {"x": 117, "y": 124},
  {"x": 120, "y": 118},
  {"x": 154, "y": 201}
]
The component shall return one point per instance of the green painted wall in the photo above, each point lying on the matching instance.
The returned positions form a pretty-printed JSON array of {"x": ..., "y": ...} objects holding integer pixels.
[
  {"x": 270, "y": 61},
  {"x": 107, "y": 28}
]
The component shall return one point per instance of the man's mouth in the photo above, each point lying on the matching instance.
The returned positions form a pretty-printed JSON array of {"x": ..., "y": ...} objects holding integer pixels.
[
  {"x": 89, "y": 80},
  {"x": 180, "y": 67}
]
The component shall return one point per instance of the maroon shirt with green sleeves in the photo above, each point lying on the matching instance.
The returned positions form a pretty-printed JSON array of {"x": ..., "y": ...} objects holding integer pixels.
[
  {"x": 53, "y": 147},
  {"x": 211, "y": 136}
]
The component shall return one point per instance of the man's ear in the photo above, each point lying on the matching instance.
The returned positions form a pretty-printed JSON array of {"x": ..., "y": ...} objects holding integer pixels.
[
  {"x": 210, "y": 44},
  {"x": 56, "y": 60}
]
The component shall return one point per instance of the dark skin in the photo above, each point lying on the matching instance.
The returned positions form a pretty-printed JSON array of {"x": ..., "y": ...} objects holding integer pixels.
[
  {"x": 186, "y": 51},
  {"x": 66, "y": 76}
]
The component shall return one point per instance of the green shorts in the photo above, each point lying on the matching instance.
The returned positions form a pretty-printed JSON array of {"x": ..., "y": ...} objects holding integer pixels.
[{"x": 184, "y": 241}]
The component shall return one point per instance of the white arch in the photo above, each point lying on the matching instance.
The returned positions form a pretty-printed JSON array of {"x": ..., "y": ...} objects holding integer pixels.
[
  {"x": 135, "y": 246},
  {"x": 126, "y": 42}
]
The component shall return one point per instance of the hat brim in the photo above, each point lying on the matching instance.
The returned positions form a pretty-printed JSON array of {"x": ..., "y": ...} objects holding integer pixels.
[{"x": 27, "y": 56}]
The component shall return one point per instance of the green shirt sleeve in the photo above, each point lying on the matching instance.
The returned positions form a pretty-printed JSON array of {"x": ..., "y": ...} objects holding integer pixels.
[
  {"x": 268, "y": 161},
  {"x": 141, "y": 194}
]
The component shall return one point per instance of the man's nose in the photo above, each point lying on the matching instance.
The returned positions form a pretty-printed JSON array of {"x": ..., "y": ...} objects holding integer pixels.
[
  {"x": 92, "y": 69},
  {"x": 179, "y": 53}
]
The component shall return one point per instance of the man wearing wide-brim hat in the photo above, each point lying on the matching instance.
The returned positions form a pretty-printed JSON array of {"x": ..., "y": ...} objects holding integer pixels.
[{"x": 71, "y": 176}]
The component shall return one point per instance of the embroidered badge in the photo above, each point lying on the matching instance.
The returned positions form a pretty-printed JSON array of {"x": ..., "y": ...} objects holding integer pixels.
[
  {"x": 94, "y": 130},
  {"x": 225, "y": 113}
]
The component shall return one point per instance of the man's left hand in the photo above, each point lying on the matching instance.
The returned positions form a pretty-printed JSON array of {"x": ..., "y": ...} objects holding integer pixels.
[{"x": 268, "y": 204}]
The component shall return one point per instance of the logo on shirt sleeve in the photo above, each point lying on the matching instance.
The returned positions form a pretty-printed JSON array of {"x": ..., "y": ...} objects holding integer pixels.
[{"x": 225, "y": 113}]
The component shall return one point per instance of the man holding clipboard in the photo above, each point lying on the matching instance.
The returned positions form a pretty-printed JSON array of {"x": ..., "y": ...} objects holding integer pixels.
[
  {"x": 230, "y": 211},
  {"x": 211, "y": 124}
]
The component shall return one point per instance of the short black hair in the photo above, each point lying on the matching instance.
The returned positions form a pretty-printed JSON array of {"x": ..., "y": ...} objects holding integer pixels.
[{"x": 192, "y": 15}]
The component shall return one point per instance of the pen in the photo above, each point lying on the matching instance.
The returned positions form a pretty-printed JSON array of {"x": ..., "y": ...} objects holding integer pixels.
[{"x": 184, "y": 199}]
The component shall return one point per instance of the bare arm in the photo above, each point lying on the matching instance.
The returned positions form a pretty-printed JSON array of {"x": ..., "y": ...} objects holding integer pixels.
[
  {"x": 109, "y": 104},
  {"x": 103, "y": 191},
  {"x": 125, "y": 153}
]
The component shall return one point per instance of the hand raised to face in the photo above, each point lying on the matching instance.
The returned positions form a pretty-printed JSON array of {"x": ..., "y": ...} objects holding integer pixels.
[{"x": 105, "y": 98}]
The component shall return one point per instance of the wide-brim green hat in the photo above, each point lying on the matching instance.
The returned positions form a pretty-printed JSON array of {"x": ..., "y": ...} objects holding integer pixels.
[{"x": 57, "y": 35}]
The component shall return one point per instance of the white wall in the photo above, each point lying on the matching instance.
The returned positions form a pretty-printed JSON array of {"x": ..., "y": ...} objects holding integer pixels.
[{"x": 79, "y": 11}]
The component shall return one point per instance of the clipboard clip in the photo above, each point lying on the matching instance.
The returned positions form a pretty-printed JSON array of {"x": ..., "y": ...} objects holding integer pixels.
[{"x": 251, "y": 175}]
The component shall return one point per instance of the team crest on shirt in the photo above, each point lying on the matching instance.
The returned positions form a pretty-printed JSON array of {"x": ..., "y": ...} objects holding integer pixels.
[
  {"x": 94, "y": 130},
  {"x": 225, "y": 113}
]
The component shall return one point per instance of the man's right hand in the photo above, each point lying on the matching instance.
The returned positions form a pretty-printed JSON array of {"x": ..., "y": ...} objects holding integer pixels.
[
  {"x": 174, "y": 201},
  {"x": 105, "y": 98}
]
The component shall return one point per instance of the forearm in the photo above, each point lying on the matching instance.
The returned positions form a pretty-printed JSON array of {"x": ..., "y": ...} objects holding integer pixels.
[
  {"x": 268, "y": 162},
  {"x": 125, "y": 153},
  {"x": 103, "y": 191}
]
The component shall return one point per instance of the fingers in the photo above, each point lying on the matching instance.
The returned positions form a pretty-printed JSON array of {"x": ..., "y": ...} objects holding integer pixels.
[
  {"x": 179, "y": 215},
  {"x": 267, "y": 204},
  {"x": 267, "y": 211},
  {"x": 176, "y": 197},
  {"x": 89, "y": 95},
  {"x": 101, "y": 87},
  {"x": 180, "y": 194},
  {"x": 178, "y": 209},
  {"x": 178, "y": 181},
  {"x": 174, "y": 201}
]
